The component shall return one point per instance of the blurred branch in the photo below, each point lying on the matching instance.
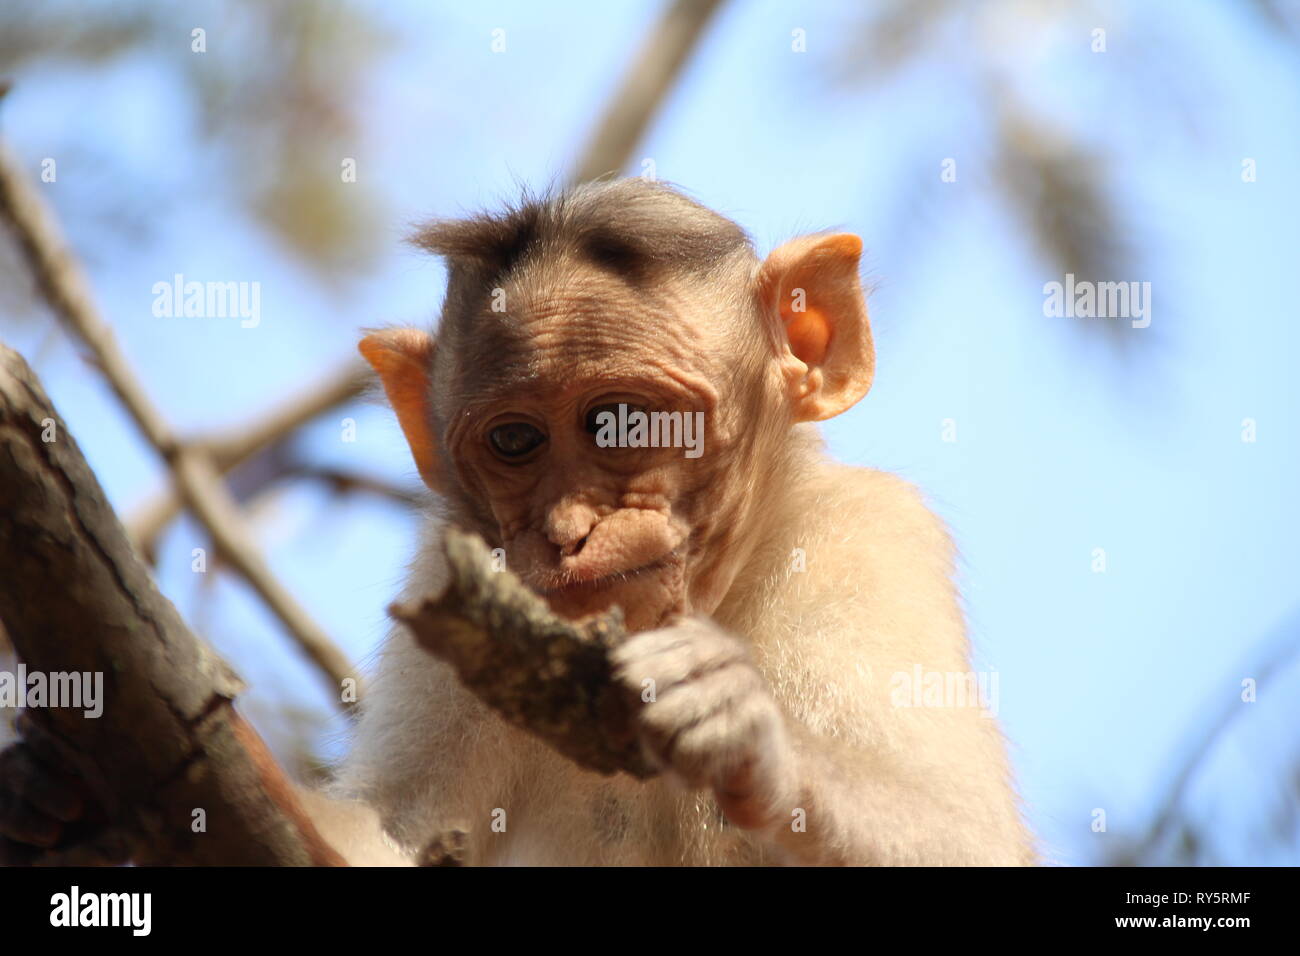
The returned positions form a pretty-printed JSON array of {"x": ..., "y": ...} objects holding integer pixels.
[
  {"x": 63, "y": 285},
  {"x": 1062, "y": 192},
  {"x": 1057, "y": 190},
  {"x": 344, "y": 482},
  {"x": 314, "y": 55},
  {"x": 1167, "y": 818},
  {"x": 644, "y": 87},
  {"x": 1059, "y": 185},
  {"x": 166, "y": 739},
  {"x": 896, "y": 36},
  {"x": 235, "y": 446},
  {"x": 1278, "y": 15},
  {"x": 43, "y": 31}
]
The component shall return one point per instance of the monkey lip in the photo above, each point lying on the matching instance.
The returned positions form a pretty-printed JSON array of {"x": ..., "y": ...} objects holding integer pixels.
[{"x": 605, "y": 581}]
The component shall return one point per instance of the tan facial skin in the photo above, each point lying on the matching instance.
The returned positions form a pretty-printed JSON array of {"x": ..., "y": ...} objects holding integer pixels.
[{"x": 588, "y": 526}]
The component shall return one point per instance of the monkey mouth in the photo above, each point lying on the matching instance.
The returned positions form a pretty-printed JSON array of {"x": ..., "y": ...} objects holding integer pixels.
[{"x": 574, "y": 587}]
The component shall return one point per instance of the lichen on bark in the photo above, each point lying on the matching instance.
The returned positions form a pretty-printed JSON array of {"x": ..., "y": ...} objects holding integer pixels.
[{"x": 548, "y": 675}]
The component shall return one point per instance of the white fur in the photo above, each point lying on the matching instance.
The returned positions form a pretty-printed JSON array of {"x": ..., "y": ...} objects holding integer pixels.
[{"x": 898, "y": 785}]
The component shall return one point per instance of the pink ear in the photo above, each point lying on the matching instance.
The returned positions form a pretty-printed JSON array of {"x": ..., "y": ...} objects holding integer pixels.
[
  {"x": 810, "y": 285},
  {"x": 404, "y": 360}
]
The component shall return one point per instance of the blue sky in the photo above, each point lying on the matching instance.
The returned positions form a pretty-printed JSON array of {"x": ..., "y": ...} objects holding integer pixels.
[{"x": 1062, "y": 448}]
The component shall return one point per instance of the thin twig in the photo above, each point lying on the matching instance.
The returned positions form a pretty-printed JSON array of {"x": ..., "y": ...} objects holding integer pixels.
[
  {"x": 235, "y": 446},
  {"x": 342, "y": 482}
]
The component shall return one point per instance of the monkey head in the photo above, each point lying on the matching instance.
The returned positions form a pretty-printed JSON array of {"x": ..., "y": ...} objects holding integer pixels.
[{"x": 612, "y": 388}]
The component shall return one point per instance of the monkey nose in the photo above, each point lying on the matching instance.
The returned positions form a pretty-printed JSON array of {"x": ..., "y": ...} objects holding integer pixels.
[{"x": 568, "y": 527}]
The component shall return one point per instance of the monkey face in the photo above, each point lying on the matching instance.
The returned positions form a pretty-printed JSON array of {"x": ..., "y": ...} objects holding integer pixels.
[
  {"x": 584, "y": 449},
  {"x": 611, "y": 393}
]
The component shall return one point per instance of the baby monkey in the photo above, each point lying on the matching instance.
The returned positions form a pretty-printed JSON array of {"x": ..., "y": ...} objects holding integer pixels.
[{"x": 619, "y": 397}]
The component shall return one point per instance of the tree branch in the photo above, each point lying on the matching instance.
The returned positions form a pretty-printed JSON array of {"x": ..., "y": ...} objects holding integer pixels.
[
  {"x": 235, "y": 446},
  {"x": 76, "y": 600},
  {"x": 644, "y": 87}
]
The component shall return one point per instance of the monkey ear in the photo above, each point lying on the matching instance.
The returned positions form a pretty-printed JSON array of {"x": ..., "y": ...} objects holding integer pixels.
[
  {"x": 404, "y": 360},
  {"x": 810, "y": 287}
]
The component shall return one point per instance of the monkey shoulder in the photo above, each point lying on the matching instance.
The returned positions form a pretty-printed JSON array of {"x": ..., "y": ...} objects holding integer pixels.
[
  {"x": 882, "y": 497},
  {"x": 861, "y": 556},
  {"x": 862, "y": 520}
]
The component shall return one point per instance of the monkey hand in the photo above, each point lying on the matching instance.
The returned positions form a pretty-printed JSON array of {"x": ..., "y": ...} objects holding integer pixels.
[
  {"x": 46, "y": 815},
  {"x": 709, "y": 717}
]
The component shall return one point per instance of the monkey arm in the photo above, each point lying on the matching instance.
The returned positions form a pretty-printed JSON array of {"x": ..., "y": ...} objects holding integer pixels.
[
  {"x": 854, "y": 809},
  {"x": 857, "y": 790},
  {"x": 880, "y": 772}
]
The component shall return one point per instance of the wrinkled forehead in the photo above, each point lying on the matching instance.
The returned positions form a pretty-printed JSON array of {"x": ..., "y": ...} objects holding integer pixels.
[{"x": 573, "y": 329}]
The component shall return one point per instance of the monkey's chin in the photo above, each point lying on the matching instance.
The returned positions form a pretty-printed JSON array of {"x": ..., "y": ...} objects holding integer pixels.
[{"x": 648, "y": 600}]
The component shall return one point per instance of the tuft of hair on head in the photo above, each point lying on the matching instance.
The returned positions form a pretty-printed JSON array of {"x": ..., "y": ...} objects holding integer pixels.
[{"x": 633, "y": 227}]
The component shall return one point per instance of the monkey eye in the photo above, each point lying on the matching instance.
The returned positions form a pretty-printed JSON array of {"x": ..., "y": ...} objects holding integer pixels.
[
  {"x": 591, "y": 423},
  {"x": 515, "y": 439}
]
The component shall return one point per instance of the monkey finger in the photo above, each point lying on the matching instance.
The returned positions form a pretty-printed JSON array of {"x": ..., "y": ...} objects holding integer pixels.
[
  {"x": 738, "y": 743},
  {"x": 683, "y": 706},
  {"x": 695, "y": 728},
  {"x": 669, "y": 657},
  {"x": 745, "y": 806}
]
